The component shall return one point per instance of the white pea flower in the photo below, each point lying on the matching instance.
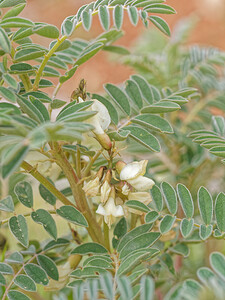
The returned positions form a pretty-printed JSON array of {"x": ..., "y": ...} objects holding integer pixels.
[
  {"x": 100, "y": 121},
  {"x": 133, "y": 174},
  {"x": 110, "y": 211}
]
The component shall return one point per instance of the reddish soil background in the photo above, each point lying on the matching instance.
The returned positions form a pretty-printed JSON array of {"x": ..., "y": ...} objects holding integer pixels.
[{"x": 210, "y": 30}]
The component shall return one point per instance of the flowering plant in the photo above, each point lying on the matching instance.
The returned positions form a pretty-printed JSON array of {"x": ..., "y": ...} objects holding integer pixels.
[{"x": 108, "y": 226}]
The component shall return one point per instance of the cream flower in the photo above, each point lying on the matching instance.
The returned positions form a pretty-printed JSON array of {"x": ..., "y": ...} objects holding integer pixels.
[
  {"x": 105, "y": 191},
  {"x": 133, "y": 174},
  {"x": 110, "y": 211},
  {"x": 44, "y": 166},
  {"x": 91, "y": 188},
  {"x": 125, "y": 189}
]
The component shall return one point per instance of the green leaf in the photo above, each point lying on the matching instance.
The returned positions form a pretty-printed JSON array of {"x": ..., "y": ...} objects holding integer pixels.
[
  {"x": 43, "y": 97},
  {"x": 88, "y": 53},
  {"x": 160, "y": 24},
  {"x": 24, "y": 193},
  {"x": 44, "y": 218},
  {"x": 2, "y": 280},
  {"x": 144, "y": 240},
  {"x": 185, "y": 200},
  {"x": 68, "y": 26},
  {"x": 46, "y": 30},
  {"x": 186, "y": 227},
  {"x": 157, "y": 198},
  {"x": 10, "y": 3},
  {"x": 132, "y": 234},
  {"x": 49, "y": 266},
  {"x": 205, "y": 231},
  {"x": 205, "y": 204},
  {"x": 4, "y": 41},
  {"x": 160, "y": 9},
  {"x": 181, "y": 249},
  {"x": 19, "y": 229},
  {"x": 47, "y": 195},
  {"x": 111, "y": 109},
  {"x": 133, "y": 14},
  {"x": 145, "y": 88},
  {"x": 6, "y": 269},
  {"x": 55, "y": 244},
  {"x": 7, "y": 204},
  {"x": 153, "y": 122},
  {"x": 15, "y": 258},
  {"x": 106, "y": 282},
  {"x": 206, "y": 276},
  {"x": 92, "y": 289},
  {"x": 88, "y": 272},
  {"x": 143, "y": 137},
  {"x": 40, "y": 106},
  {"x": 217, "y": 261},
  {"x": 28, "y": 54},
  {"x": 106, "y": 258},
  {"x": 13, "y": 159},
  {"x": 68, "y": 74},
  {"x": 73, "y": 107},
  {"x": 161, "y": 107},
  {"x": 137, "y": 205},
  {"x": 170, "y": 197},
  {"x": 25, "y": 283},
  {"x": 152, "y": 216},
  {"x": 21, "y": 68},
  {"x": 16, "y": 22},
  {"x": 86, "y": 18},
  {"x": 22, "y": 33},
  {"x": 125, "y": 288},
  {"x": 89, "y": 248},
  {"x": 15, "y": 295},
  {"x": 71, "y": 214},
  {"x": 117, "y": 49},
  {"x": 135, "y": 259},
  {"x": 15, "y": 11},
  {"x": 7, "y": 94},
  {"x": 98, "y": 262},
  {"x": 30, "y": 109},
  {"x": 119, "y": 97},
  {"x": 220, "y": 211},
  {"x": 118, "y": 13},
  {"x": 104, "y": 17},
  {"x": 57, "y": 103},
  {"x": 10, "y": 81},
  {"x": 119, "y": 231},
  {"x": 36, "y": 273},
  {"x": 167, "y": 260},
  {"x": 147, "y": 288},
  {"x": 166, "y": 223},
  {"x": 133, "y": 92}
]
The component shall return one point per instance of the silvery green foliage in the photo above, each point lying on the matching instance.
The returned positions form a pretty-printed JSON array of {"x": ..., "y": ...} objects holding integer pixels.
[{"x": 143, "y": 247}]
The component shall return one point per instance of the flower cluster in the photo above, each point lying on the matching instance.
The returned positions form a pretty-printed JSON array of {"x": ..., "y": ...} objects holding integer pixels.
[{"x": 130, "y": 185}]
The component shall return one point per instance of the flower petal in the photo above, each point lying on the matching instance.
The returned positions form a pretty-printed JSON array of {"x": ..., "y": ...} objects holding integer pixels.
[
  {"x": 141, "y": 183},
  {"x": 133, "y": 170}
]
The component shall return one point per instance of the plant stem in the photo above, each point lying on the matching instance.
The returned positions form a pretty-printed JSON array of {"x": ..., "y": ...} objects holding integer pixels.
[
  {"x": 106, "y": 235},
  {"x": 78, "y": 163},
  {"x": 94, "y": 228},
  {"x": 33, "y": 171},
  {"x": 90, "y": 164},
  {"x": 26, "y": 82},
  {"x": 45, "y": 60}
]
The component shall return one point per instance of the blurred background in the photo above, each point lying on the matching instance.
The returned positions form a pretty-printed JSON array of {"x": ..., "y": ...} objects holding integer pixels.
[{"x": 209, "y": 30}]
